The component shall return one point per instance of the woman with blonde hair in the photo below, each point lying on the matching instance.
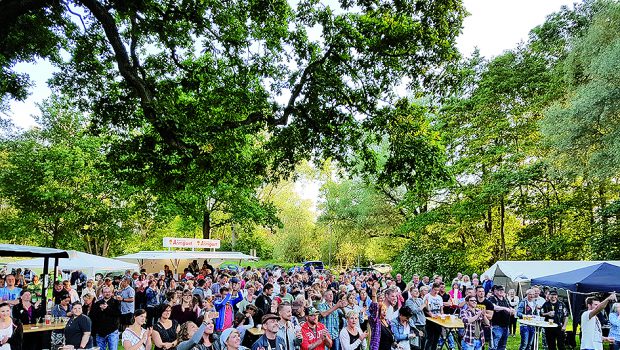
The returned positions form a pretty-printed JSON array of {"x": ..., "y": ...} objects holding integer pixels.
[{"x": 352, "y": 337}]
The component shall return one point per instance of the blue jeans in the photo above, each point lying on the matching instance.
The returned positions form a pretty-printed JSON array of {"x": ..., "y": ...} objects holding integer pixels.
[
  {"x": 617, "y": 344},
  {"x": 477, "y": 345},
  {"x": 450, "y": 339},
  {"x": 527, "y": 337},
  {"x": 110, "y": 341},
  {"x": 336, "y": 343},
  {"x": 500, "y": 337}
]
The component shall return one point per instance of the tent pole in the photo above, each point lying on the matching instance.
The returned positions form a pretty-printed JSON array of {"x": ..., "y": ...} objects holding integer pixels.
[
  {"x": 46, "y": 278},
  {"x": 55, "y": 269},
  {"x": 570, "y": 308}
]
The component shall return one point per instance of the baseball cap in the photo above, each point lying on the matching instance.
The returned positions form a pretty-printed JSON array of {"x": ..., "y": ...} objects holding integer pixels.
[
  {"x": 234, "y": 280},
  {"x": 312, "y": 311}
]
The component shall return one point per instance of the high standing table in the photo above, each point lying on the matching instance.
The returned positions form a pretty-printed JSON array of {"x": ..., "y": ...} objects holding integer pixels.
[
  {"x": 451, "y": 324},
  {"x": 538, "y": 326},
  {"x": 31, "y": 328}
]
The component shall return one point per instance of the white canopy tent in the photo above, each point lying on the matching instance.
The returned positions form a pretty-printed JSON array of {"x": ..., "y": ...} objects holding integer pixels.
[
  {"x": 154, "y": 261},
  {"x": 87, "y": 263}
]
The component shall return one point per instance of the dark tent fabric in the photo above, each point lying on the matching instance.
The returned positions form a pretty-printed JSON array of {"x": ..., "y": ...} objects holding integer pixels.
[{"x": 601, "y": 277}]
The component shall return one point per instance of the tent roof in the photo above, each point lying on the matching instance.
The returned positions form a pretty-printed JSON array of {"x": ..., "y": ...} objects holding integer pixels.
[
  {"x": 601, "y": 277},
  {"x": 31, "y": 252},
  {"x": 519, "y": 271},
  {"x": 80, "y": 261},
  {"x": 184, "y": 254}
]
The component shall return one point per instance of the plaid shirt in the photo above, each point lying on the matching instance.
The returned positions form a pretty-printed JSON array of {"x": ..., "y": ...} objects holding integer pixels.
[
  {"x": 332, "y": 321},
  {"x": 469, "y": 334}
]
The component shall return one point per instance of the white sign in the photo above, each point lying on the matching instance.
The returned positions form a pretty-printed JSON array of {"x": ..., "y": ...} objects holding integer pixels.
[{"x": 171, "y": 242}]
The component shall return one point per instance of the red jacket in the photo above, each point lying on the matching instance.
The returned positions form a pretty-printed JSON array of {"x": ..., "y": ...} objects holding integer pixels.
[{"x": 310, "y": 336}]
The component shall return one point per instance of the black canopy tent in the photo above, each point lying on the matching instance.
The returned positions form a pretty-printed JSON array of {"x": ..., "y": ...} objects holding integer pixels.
[{"x": 15, "y": 250}]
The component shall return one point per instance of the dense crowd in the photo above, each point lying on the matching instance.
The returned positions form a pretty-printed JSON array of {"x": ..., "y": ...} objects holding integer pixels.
[{"x": 211, "y": 309}]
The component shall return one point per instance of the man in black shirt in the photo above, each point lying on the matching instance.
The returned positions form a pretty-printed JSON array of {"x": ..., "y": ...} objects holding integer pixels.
[
  {"x": 487, "y": 307},
  {"x": 555, "y": 310},
  {"x": 502, "y": 312},
  {"x": 263, "y": 303},
  {"x": 105, "y": 315}
]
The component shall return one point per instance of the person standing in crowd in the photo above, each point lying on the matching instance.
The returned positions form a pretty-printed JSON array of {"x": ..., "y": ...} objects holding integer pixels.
[
  {"x": 400, "y": 283},
  {"x": 403, "y": 329},
  {"x": 135, "y": 337},
  {"x": 231, "y": 340},
  {"x": 72, "y": 293},
  {"x": 105, "y": 316},
  {"x": 78, "y": 329},
  {"x": 502, "y": 313},
  {"x": 154, "y": 298},
  {"x": 165, "y": 330},
  {"x": 474, "y": 320},
  {"x": 416, "y": 304},
  {"x": 513, "y": 300},
  {"x": 35, "y": 288},
  {"x": 270, "y": 339},
  {"x": 331, "y": 313},
  {"x": 263, "y": 302},
  {"x": 11, "y": 329},
  {"x": 60, "y": 311},
  {"x": 88, "y": 289},
  {"x": 78, "y": 279},
  {"x": 614, "y": 322},
  {"x": 392, "y": 302},
  {"x": 527, "y": 307},
  {"x": 224, "y": 306},
  {"x": 185, "y": 310},
  {"x": 591, "y": 330},
  {"x": 289, "y": 328},
  {"x": 127, "y": 297},
  {"x": 314, "y": 334},
  {"x": 485, "y": 305},
  {"x": 351, "y": 336},
  {"x": 555, "y": 310},
  {"x": 28, "y": 313},
  {"x": 10, "y": 293},
  {"x": 433, "y": 304}
]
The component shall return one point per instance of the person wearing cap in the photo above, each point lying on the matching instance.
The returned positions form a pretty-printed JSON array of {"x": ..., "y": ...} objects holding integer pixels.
[
  {"x": 556, "y": 311},
  {"x": 283, "y": 295},
  {"x": 231, "y": 340},
  {"x": 314, "y": 334},
  {"x": 270, "y": 339},
  {"x": 502, "y": 312}
]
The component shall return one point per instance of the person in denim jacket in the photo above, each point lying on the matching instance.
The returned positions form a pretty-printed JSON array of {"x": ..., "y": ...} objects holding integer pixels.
[
  {"x": 527, "y": 306},
  {"x": 403, "y": 328}
]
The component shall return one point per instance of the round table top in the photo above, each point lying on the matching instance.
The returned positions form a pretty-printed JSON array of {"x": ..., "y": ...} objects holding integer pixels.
[{"x": 535, "y": 323}]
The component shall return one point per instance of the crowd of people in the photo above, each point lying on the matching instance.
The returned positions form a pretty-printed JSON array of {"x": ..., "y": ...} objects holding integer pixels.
[{"x": 206, "y": 308}]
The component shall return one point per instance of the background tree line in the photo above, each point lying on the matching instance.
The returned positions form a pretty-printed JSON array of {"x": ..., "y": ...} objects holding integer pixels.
[{"x": 510, "y": 157}]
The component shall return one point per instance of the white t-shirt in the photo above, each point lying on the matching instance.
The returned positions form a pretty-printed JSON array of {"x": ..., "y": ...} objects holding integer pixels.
[
  {"x": 435, "y": 303},
  {"x": 8, "y": 332},
  {"x": 591, "y": 332},
  {"x": 133, "y": 338}
]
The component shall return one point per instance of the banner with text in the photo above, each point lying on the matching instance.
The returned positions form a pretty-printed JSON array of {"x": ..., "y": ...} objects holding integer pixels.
[{"x": 171, "y": 242}]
